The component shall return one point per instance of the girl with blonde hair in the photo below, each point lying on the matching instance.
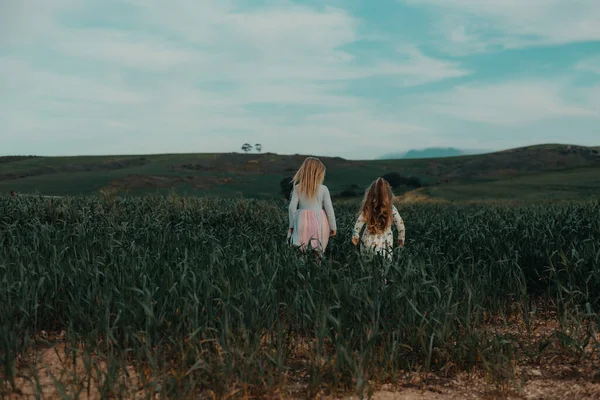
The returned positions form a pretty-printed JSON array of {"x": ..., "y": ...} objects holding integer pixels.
[
  {"x": 311, "y": 215},
  {"x": 378, "y": 214}
]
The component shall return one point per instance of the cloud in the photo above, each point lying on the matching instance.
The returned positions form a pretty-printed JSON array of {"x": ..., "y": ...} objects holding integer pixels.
[
  {"x": 138, "y": 76},
  {"x": 517, "y": 103},
  {"x": 130, "y": 73},
  {"x": 474, "y": 25},
  {"x": 30, "y": 21},
  {"x": 591, "y": 64},
  {"x": 27, "y": 83}
]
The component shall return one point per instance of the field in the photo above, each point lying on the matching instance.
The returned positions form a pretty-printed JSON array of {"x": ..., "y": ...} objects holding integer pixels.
[
  {"x": 560, "y": 172},
  {"x": 202, "y": 298}
]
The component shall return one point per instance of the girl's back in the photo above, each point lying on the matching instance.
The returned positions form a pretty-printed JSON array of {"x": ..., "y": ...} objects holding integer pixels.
[
  {"x": 316, "y": 203},
  {"x": 322, "y": 201},
  {"x": 378, "y": 214},
  {"x": 311, "y": 216}
]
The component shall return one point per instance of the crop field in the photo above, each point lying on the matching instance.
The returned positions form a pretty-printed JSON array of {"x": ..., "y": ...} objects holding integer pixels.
[{"x": 202, "y": 298}]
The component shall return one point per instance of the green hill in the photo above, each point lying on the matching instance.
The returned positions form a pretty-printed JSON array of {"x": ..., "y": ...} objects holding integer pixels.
[{"x": 535, "y": 172}]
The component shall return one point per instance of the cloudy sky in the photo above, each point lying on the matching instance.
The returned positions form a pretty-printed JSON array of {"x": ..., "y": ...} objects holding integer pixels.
[{"x": 354, "y": 78}]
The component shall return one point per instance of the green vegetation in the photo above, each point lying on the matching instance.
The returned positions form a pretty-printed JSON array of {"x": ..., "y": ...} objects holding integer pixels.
[
  {"x": 571, "y": 184},
  {"x": 183, "y": 296},
  {"x": 510, "y": 174}
]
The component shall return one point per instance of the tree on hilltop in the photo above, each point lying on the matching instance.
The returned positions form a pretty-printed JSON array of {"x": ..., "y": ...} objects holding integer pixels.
[{"x": 247, "y": 147}]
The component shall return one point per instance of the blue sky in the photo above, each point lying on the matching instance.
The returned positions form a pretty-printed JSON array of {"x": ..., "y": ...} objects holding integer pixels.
[{"x": 333, "y": 77}]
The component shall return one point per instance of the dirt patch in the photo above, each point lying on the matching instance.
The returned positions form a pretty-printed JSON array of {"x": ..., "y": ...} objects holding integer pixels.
[
  {"x": 475, "y": 386},
  {"x": 108, "y": 165},
  {"x": 27, "y": 174},
  {"x": 206, "y": 167},
  {"x": 417, "y": 196},
  {"x": 8, "y": 159},
  {"x": 57, "y": 377},
  {"x": 138, "y": 181},
  {"x": 255, "y": 163},
  {"x": 557, "y": 375}
]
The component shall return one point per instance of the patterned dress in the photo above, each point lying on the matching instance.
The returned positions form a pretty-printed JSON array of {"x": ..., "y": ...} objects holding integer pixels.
[{"x": 381, "y": 243}]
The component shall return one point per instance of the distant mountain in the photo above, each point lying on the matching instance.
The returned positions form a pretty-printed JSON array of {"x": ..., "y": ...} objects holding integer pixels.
[{"x": 431, "y": 152}]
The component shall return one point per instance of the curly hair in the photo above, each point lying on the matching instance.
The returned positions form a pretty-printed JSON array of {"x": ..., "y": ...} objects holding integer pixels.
[{"x": 377, "y": 206}]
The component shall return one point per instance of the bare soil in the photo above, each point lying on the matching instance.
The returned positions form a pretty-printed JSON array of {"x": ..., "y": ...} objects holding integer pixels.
[
  {"x": 558, "y": 381},
  {"x": 558, "y": 372},
  {"x": 107, "y": 165},
  {"x": 417, "y": 196},
  {"x": 138, "y": 181}
]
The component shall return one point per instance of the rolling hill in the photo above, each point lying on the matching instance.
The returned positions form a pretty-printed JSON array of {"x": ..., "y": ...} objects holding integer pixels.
[{"x": 535, "y": 172}]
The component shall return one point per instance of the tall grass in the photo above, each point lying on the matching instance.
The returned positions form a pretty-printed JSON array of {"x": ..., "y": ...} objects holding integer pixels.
[{"x": 203, "y": 295}]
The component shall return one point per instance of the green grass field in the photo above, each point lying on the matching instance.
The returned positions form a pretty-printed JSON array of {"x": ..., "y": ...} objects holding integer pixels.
[
  {"x": 571, "y": 184},
  {"x": 201, "y": 298},
  {"x": 528, "y": 174}
]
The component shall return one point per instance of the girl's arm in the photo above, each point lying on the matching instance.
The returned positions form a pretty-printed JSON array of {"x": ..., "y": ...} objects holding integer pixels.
[
  {"x": 292, "y": 207},
  {"x": 399, "y": 225},
  {"x": 360, "y": 222},
  {"x": 329, "y": 209}
]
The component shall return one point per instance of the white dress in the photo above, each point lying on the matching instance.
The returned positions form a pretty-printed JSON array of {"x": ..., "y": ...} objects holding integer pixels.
[{"x": 381, "y": 243}]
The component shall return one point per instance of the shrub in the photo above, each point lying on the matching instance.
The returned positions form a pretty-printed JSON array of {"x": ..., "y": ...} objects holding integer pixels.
[
  {"x": 351, "y": 191},
  {"x": 396, "y": 180},
  {"x": 286, "y": 187}
]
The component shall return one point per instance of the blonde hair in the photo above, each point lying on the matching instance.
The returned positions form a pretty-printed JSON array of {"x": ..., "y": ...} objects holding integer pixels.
[
  {"x": 309, "y": 177},
  {"x": 377, "y": 206}
]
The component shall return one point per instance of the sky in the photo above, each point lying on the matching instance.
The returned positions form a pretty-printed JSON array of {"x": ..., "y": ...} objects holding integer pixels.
[{"x": 349, "y": 78}]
